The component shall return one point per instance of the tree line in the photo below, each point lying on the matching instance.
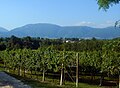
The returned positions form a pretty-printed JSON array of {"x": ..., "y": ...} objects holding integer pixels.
[{"x": 69, "y": 44}]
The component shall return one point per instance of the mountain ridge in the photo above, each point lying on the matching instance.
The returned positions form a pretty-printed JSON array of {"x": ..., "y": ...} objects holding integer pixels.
[
  {"x": 3, "y": 29},
  {"x": 46, "y": 30}
]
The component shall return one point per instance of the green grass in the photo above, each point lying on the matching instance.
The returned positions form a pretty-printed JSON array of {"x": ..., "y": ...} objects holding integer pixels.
[
  {"x": 36, "y": 84},
  {"x": 67, "y": 85},
  {"x": 50, "y": 83}
]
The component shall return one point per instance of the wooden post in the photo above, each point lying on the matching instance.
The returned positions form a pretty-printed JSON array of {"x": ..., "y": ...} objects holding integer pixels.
[
  {"x": 20, "y": 72},
  {"x": 43, "y": 79},
  {"x": 61, "y": 78},
  {"x": 77, "y": 74},
  {"x": 24, "y": 72},
  {"x": 101, "y": 78},
  {"x": 119, "y": 80}
]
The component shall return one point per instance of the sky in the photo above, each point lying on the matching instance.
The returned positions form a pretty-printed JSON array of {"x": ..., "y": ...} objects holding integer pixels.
[{"x": 16, "y": 13}]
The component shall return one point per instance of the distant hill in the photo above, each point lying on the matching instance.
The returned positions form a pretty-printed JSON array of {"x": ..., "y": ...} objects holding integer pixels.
[
  {"x": 45, "y": 30},
  {"x": 89, "y": 32},
  {"x": 3, "y": 30},
  {"x": 36, "y": 30}
]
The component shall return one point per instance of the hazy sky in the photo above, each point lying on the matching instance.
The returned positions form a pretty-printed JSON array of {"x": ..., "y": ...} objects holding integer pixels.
[{"x": 15, "y": 13}]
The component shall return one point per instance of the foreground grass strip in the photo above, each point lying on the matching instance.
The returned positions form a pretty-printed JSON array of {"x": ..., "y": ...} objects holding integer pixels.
[{"x": 49, "y": 84}]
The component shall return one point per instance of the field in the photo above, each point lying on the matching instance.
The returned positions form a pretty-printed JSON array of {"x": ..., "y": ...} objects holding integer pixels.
[{"x": 93, "y": 62}]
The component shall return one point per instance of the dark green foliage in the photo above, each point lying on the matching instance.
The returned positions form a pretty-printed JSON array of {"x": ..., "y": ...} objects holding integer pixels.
[
  {"x": 2, "y": 46},
  {"x": 105, "y": 4},
  {"x": 67, "y": 44}
]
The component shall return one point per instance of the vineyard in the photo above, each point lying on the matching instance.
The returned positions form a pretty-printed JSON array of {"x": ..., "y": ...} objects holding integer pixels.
[{"x": 65, "y": 64}]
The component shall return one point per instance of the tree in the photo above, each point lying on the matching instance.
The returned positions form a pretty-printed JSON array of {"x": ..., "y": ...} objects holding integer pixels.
[
  {"x": 105, "y": 4},
  {"x": 14, "y": 42},
  {"x": 45, "y": 56}
]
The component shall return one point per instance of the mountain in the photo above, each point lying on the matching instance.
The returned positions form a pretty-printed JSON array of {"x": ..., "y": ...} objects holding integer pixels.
[
  {"x": 89, "y": 32},
  {"x": 3, "y": 30},
  {"x": 45, "y": 30},
  {"x": 36, "y": 30},
  {"x": 75, "y": 31}
]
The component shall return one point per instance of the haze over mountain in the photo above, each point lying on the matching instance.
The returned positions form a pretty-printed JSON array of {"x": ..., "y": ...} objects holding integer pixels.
[
  {"x": 3, "y": 30},
  {"x": 45, "y": 30}
]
